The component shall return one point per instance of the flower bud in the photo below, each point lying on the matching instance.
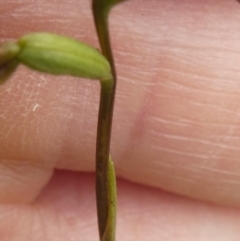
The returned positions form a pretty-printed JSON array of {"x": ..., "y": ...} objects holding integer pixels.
[
  {"x": 8, "y": 51},
  {"x": 8, "y": 61},
  {"x": 61, "y": 55}
]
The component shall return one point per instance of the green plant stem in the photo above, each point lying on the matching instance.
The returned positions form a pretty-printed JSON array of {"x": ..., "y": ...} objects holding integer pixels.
[
  {"x": 102, "y": 153},
  {"x": 105, "y": 117},
  {"x": 109, "y": 233},
  {"x": 101, "y": 23}
]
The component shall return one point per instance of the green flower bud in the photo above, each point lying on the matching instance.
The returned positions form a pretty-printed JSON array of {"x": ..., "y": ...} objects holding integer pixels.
[
  {"x": 8, "y": 51},
  {"x": 61, "y": 55},
  {"x": 8, "y": 61}
]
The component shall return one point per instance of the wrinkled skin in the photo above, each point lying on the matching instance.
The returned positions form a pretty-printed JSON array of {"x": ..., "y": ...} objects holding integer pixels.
[{"x": 176, "y": 131}]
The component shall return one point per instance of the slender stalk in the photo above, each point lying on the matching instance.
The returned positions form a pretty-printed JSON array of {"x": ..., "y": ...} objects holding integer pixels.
[
  {"x": 101, "y": 12},
  {"x": 102, "y": 153},
  {"x": 105, "y": 117}
]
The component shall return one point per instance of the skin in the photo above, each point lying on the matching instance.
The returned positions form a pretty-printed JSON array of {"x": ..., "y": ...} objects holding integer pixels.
[{"x": 176, "y": 133}]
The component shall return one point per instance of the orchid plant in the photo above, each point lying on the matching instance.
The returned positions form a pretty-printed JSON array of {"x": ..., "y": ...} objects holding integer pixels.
[{"x": 60, "y": 55}]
